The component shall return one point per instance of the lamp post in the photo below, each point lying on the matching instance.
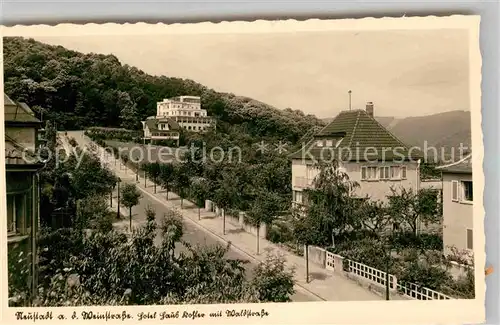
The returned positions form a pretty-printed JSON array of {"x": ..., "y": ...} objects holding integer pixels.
[
  {"x": 388, "y": 249},
  {"x": 307, "y": 262},
  {"x": 388, "y": 257},
  {"x": 118, "y": 199}
]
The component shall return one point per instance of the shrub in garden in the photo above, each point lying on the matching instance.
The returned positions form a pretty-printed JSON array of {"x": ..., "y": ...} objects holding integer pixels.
[{"x": 111, "y": 269}]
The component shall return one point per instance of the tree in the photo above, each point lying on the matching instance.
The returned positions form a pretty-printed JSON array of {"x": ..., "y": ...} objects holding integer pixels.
[
  {"x": 153, "y": 171},
  {"x": 90, "y": 209},
  {"x": 167, "y": 175},
  {"x": 273, "y": 281},
  {"x": 223, "y": 195},
  {"x": 181, "y": 181},
  {"x": 199, "y": 190},
  {"x": 172, "y": 229},
  {"x": 373, "y": 216},
  {"x": 129, "y": 198},
  {"x": 408, "y": 208},
  {"x": 264, "y": 210},
  {"x": 114, "y": 269},
  {"x": 128, "y": 112},
  {"x": 125, "y": 160},
  {"x": 330, "y": 205}
]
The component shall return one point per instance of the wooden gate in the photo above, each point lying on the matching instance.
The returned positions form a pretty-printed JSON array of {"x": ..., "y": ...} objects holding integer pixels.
[{"x": 330, "y": 262}]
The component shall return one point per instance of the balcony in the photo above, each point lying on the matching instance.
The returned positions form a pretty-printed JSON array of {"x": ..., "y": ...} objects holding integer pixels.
[{"x": 304, "y": 182}]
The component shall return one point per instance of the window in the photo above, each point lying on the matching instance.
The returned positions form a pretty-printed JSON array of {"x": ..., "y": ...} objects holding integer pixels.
[
  {"x": 385, "y": 172},
  {"x": 329, "y": 143},
  {"x": 368, "y": 173},
  {"x": 395, "y": 172},
  {"x": 403, "y": 172},
  {"x": 454, "y": 191},
  {"x": 319, "y": 143},
  {"x": 297, "y": 196},
  {"x": 470, "y": 240},
  {"x": 467, "y": 186},
  {"x": 16, "y": 213}
]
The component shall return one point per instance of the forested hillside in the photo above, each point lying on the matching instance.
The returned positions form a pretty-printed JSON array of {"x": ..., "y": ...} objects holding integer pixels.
[{"x": 81, "y": 90}]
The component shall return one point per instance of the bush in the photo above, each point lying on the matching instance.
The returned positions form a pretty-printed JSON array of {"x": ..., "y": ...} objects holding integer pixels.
[
  {"x": 279, "y": 232},
  {"x": 111, "y": 269},
  {"x": 368, "y": 251},
  {"x": 402, "y": 240},
  {"x": 273, "y": 281}
]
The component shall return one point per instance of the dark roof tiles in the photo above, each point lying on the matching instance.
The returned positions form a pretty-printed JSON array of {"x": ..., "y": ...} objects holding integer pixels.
[{"x": 364, "y": 139}]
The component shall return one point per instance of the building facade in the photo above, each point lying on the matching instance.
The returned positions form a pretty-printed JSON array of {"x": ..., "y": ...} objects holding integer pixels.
[
  {"x": 186, "y": 111},
  {"x": 157, "y": 129},
  {"x": 458, "y": 198},
  {"x": 364, "y": 149},
  {"x": 21, "y": 180}
]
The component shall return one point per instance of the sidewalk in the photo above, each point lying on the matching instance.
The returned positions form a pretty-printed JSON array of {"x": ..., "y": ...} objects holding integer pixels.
[{"x": 324, "y": 284}]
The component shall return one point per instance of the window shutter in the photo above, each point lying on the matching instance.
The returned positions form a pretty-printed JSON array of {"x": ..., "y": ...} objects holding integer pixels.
[
  {"x": 470, "y": 239},
  {"x": 363, "y": 172},
  {"x": 403, "y": 172},
  {"x": 454, "y": 190}
]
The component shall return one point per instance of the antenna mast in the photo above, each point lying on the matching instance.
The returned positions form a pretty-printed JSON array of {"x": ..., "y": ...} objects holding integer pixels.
[{"x": 349, "y": 99}]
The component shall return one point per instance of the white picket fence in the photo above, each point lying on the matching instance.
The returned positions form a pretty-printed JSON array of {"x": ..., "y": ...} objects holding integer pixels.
[
  {"x": 372, "y": 274},
  {"x": 377, "y": 277},
  {"x": 421, "y": 293}
]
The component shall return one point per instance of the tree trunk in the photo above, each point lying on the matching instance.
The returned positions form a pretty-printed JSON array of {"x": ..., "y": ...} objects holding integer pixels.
[
  {"x": 199, "y": 213},
  {"x": 167, "y": 192},
  {"x": 145, "y": 180},
  {"x": 258, "y": 248},
  {"x": 154, "y": 182},
  {"x": 130, "y": 217},
  {"x": 223, "y": 221},
  {"x": 118, "y": 199},
  {"x": 333, "y": 240},
  {"x": 111, "y": 198}
]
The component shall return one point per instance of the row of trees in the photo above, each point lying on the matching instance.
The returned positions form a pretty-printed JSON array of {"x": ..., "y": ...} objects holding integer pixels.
[
  {"x": 87, "y": 262},
  {"x": 106, "y": 267},
  {"x": 258, "y": 186}
]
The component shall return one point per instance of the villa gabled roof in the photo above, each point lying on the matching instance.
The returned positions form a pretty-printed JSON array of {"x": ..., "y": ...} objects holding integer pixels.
[
  {"x": 152, "y": 124},
  {"x": 462, "y": 166},
  {"x": 362, "y": 138},
  {"x": 18, "y": 112}
]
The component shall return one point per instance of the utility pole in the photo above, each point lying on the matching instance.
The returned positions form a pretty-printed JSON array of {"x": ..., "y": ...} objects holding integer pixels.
[
  {"x": 118, "y": 199},
  {"x": 350, "y": 92},
  {"x": 388, "y": 261},
  {"x": 307, "y": 263},
  {"x": 223, "y": 221}
]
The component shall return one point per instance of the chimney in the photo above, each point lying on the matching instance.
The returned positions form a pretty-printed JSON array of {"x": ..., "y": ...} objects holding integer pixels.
[{"x": 369, "y": 108}]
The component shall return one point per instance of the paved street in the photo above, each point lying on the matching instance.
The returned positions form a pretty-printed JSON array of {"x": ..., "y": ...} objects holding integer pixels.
[
  {"x": 323, "y": 284},
  {"x": 192, "y": 234}
]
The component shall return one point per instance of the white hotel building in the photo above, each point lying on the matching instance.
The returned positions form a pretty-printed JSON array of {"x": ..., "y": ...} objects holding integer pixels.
[{"x": 186, "y": 111}]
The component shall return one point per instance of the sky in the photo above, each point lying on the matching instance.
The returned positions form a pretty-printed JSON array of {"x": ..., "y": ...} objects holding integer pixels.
[{"x": 403, "y": 72}]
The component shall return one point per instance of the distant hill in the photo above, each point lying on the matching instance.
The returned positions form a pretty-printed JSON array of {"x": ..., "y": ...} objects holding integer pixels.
[{"x": 442, "y": 130}]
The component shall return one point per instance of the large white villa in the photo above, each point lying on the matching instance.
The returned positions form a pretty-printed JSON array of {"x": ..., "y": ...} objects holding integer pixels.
[{"x": 186, "y": 111}]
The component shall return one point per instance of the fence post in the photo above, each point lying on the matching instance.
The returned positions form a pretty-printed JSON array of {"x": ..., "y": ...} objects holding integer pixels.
[{"x": 395, "y": 283}]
